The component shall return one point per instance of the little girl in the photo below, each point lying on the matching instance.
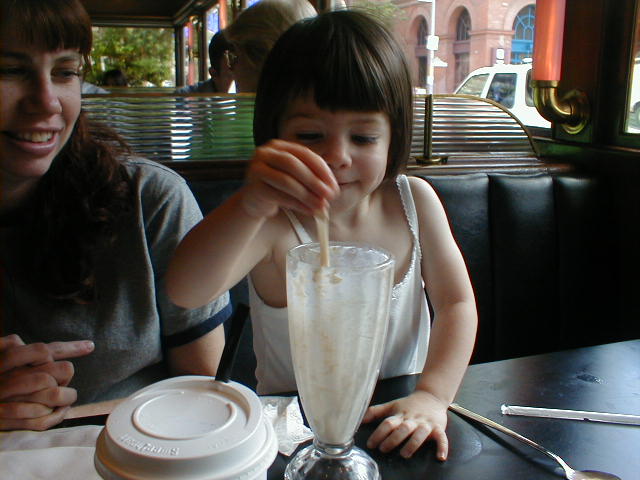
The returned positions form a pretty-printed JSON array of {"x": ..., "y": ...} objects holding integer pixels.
[{"x": 333, "y": 128}]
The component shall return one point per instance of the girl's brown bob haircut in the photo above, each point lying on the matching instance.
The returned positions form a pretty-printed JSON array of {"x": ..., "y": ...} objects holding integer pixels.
[
  {"x": 348, "y": 60},
  {"x": 48, "y": 25}
]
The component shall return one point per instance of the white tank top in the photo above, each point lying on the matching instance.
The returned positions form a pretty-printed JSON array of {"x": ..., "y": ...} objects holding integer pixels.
[{"x": 409, "y": 322}]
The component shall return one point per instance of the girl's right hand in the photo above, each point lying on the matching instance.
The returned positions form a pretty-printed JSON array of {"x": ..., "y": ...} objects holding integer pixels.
[
  {"x": 287, "y": 175},
  {"x": 33, "y": 382}
]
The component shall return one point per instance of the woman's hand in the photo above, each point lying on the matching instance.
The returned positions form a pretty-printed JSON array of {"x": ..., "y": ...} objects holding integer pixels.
[
  {"x": 33, "y": 382},
  {"x": 415, "y": 418},
  {"x": 288, "y": 175}
]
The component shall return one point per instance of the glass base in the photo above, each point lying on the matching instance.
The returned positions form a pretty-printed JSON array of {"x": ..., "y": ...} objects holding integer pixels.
[{"x": 335, "y": 462}]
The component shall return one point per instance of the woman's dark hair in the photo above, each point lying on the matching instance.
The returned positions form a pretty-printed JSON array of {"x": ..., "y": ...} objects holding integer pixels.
[
  {"x": 77, "y": 204},
  {"x": 348, "y": 60}
]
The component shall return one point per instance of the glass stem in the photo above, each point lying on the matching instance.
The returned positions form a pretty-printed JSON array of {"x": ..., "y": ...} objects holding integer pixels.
[{"x": 333, "y": 450}]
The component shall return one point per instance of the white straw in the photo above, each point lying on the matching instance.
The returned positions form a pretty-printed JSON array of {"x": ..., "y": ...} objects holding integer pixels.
[
  {"x": 570, "y": 414},
  {"x": 322, "y": 224}
]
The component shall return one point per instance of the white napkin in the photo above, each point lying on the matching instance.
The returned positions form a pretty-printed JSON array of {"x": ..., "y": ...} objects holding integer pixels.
[
  {"x": 60, "y": 453},
  {"x": 286, "y": 418}
]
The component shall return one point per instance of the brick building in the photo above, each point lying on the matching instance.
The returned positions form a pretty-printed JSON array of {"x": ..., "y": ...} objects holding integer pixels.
[{"x": 472, "y": 34}]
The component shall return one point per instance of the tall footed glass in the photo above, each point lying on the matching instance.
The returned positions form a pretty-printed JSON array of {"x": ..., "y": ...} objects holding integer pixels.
[{"x": 338, "y": 317}]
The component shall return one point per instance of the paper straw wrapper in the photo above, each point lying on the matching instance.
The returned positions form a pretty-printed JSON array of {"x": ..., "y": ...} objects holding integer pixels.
[{"x": 571, "y": 414}]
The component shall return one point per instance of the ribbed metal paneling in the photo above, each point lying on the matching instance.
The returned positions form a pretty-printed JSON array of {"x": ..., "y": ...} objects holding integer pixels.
[
  {"x": 169, "y": 127},
  {"x": 179, "y": 127}
]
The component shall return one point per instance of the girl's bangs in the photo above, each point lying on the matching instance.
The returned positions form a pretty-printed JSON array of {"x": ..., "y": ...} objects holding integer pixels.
[{"x": 328, "y": 62}]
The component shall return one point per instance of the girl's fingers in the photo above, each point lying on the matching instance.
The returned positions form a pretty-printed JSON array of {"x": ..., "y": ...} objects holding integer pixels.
[
  {"x": 388, "y": 425},
  {"x": 420, "y": 434},
  {"x": 398, "y": 435},
  {"x": 307, "y": 168},
  {"x": 376, "y": 411},
  {"x": 317, "y": 165},
  {"x": 442, "y": 441}
]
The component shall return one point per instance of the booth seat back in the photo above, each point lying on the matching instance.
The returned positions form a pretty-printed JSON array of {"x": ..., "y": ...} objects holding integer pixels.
[{"x": 536, "y": 247}]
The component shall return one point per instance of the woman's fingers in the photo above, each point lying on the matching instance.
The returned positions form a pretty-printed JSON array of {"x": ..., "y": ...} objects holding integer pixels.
[
  {"x": 72, "y": 349},
  {"x": 18, "y": 356},
  {"x": 23, "y": 410},
  {"x": 50, "y": 397},
  {"x": 9, "y": 341},
  {"x": 14, "y": 353},
  {"x": 25, "y": 383},
  {"x": 36, "y": 423}
]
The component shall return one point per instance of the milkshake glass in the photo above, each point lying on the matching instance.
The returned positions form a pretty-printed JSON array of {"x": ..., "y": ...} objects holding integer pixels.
[{"x": 338, "y": 317}]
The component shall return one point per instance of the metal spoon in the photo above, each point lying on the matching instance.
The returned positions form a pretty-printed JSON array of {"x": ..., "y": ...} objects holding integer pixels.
[{"x": 569, "y": 472}]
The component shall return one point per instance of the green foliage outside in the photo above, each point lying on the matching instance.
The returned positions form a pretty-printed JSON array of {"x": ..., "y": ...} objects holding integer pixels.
[
  {"x": 386, "y": 11},
  {"x": 145, "y": 55}
]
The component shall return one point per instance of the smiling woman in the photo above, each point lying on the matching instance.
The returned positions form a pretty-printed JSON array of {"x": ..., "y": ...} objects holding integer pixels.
[{"x": 86, "y": 231}]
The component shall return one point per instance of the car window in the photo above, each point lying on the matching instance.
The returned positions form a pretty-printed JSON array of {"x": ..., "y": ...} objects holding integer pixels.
[
  {"x": 528, "y": 89},
  {"x": 474, "y": 85},
  {"x": 503, "y": 89}
]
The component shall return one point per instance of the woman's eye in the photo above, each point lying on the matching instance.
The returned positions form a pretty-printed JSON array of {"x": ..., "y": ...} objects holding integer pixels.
[{"x": 364, "y": 139}]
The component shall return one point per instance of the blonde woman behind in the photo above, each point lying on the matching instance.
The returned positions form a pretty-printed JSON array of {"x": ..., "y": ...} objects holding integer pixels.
[{"x": 253, "y": 34}]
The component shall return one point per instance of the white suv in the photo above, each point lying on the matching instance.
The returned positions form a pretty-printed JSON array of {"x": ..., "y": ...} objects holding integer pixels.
[{"x": 508, "y": 85}]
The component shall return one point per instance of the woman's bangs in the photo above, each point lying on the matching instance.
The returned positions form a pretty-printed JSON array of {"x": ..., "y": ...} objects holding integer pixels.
[{"x": 50, "y": 30}]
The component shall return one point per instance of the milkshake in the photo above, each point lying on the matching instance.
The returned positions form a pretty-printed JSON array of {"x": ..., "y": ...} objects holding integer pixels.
[{"x": 338, "y": 318}]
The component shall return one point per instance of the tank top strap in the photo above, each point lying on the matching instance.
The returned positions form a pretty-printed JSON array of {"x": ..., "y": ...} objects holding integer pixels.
[
  {"x": 409, "y": 205},
  {"x": 301, "y": 233}
]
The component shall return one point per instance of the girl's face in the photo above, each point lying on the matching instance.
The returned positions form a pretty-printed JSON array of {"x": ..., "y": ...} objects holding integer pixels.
[
  {"x": 354, "y": 144},
  {"x": 40, "y": 102}
]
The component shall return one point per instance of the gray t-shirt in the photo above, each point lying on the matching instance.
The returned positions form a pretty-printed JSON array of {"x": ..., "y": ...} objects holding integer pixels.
[{"x": 132, "y": 321}]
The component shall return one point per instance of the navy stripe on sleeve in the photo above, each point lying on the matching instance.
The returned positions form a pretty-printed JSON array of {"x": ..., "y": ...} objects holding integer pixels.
[{"x": 197, "y": 331}]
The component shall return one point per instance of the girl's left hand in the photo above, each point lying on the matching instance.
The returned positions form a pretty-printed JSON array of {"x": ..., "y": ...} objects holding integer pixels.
[{"x": 415, "y": 418}]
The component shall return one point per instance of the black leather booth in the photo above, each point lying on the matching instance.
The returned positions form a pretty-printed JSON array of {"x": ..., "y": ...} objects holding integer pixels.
[{"x": 537, "y": 251}]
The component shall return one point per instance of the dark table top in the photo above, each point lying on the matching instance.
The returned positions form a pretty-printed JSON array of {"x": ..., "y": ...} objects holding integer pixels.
[{"x": 603, "y": 378}]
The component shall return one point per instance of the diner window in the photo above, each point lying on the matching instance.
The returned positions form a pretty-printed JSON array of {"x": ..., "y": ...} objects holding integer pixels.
[
  {"x": 145, "y": 55},
  {"x": 191, "y": 32},
  {"x": 632, "y": 123}
]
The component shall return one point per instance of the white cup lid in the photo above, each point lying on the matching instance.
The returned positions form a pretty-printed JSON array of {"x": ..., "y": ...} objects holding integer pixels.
[{"x": 187, "y": 427}]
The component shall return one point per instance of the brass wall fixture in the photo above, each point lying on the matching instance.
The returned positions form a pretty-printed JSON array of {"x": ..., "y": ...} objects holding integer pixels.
[{"x": 571, "y": 112}]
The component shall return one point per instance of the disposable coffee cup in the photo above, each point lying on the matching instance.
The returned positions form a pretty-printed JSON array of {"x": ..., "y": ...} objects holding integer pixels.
[{"x": 189, "y": 427}]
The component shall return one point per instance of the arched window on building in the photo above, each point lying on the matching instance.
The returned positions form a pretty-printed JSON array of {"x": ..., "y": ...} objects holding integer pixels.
[
  {"x": 461, "y": 47},
  {"x": 522, "y": 44},
  {"x": 423, "y": 58}
]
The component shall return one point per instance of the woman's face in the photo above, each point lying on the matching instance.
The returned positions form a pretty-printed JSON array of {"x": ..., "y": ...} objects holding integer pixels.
[
  {"x": 40, "y": 99},
  {"x": 242, "y": 71}
]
